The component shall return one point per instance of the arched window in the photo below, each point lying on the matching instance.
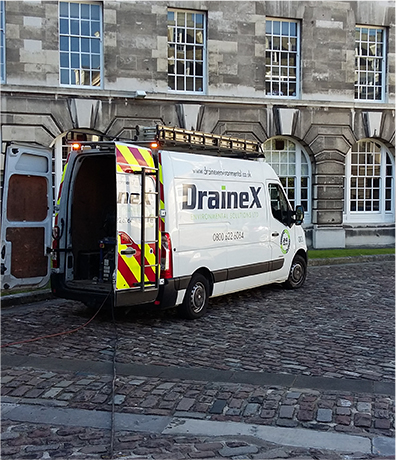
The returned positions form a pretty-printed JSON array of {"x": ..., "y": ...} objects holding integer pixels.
[
  {"x": 293, "y": 167},
  {"x": 370, "y": 183}
]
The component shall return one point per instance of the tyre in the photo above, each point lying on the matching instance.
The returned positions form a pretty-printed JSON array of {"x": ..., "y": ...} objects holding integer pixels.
[
  {"x": 298, "y": 273},
  {"x": 196, "y": 298}
]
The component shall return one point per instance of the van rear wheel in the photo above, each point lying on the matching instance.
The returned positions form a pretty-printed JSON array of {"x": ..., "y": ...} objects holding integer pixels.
[
  {"x": 298, "y": 273},
  {"x": 195, "y": 301}
]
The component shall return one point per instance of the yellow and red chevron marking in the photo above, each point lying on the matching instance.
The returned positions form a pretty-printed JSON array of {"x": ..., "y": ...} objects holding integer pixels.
[
  {"x": 162, "y": 192},
  {"x": 61, "y": 186},
  {"x": 128, "y": 266},
  {"x": 133, "y": 158},
  {"x": 61, "y": 183}
]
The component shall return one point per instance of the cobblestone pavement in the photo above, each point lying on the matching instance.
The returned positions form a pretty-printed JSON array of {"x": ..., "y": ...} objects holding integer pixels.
[{"x": 319, "y": 360}]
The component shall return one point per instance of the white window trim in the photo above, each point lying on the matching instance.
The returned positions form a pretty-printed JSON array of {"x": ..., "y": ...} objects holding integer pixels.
[
  {"x": 58, "y": 166},
  {"x": 3, "y": 50},
  {"x": 383, "y": 67},
  {"x": 363, "y": 217},
  {"x": 204, "y": 51},
  {"x": 300, "y": 152},
  {"x": 298, "y": 60},
  {"x": 70, "y": 85}
]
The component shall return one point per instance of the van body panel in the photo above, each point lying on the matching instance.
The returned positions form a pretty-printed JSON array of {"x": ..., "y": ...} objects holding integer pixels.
[
  {"x": 226, "y": 223},
  {"x": 222, "y": 221},
  {"x": 136, "y": 220},
  {"x": 26, "y": 217}
]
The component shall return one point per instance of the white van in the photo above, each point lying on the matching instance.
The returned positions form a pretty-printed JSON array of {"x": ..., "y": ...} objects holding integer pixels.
[{"x": 172, "y": 218}]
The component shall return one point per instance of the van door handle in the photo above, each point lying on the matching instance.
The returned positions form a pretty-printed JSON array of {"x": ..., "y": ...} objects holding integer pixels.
[
  {"x": 275, "y": 234},
  {"x": 128, "y": 252}
]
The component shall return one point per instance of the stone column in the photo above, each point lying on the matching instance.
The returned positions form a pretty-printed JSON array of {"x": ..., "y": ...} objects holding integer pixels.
[
  {"x": 329, "y": 138},
  {"x": 328, "y": 200}
]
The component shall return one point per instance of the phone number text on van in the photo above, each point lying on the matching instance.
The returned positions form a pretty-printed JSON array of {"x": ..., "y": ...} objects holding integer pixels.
[{"x": 228, "y": 236}]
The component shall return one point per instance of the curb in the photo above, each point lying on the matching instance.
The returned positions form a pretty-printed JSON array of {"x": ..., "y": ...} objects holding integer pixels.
[
  {"x": 351, "y": 260},
  {"x": 196, "y": 373},
  {"x": 13, "y": 300}
]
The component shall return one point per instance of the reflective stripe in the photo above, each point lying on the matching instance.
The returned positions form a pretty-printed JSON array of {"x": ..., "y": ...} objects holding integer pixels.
[
  {"x": 161, "y": 195},
  {"x": 125, "y": 276},
  {"x": 61, "y": 183},
  {"x": 130, "y": 159},
  {"x": 128, "y": 273},
  {"x": 133, "y": 158}
]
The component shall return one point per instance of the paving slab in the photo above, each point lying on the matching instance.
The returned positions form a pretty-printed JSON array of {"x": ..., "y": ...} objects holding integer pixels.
[
  {"x": 277, "y": 435},
  {"x": 295, "y": 437},
  {"x": 383, "y": 446}
]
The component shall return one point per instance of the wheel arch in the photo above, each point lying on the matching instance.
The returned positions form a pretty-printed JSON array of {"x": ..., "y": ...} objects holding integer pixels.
[
  {"x": 302, "y": 253},
  {"x": 204, "y": 271}
]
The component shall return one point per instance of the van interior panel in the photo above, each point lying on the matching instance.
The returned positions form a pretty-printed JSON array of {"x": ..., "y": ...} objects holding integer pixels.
[
  {"x": 93, "y": 216},
  {"x": 27, "y": 258},
  {"x": 20, "y": 205}
]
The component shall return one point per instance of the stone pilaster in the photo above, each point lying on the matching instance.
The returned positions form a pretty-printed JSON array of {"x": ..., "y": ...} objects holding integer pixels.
[{"x": 329, "y": 144}]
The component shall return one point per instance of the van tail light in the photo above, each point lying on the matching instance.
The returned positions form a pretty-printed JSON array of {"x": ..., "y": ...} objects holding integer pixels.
[
  {"x": 125, "y": 238},
  {"x": 55, "y": 247},
  {"x": 166, "y": 256}
]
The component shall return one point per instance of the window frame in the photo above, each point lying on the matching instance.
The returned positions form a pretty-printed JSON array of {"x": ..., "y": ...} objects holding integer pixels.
[
  {"x": 300, "y": 155},
  {"x": 359, "y": 56},
  {"x": 281, "y": 210},
  {"x": 174, "y": 42},
  {"x": 382, "y": 215},
  {"x": 2, "y": 43},
  {"x": 79, "y": 53},
  {"x": 297, "y": 52}
]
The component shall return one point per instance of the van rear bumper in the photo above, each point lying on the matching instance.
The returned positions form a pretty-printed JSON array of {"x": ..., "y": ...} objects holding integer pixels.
[
  {"x": 90, "y": 297},
  {"x": 97, "y": 294},
  {"x": 167, "y": 294}
]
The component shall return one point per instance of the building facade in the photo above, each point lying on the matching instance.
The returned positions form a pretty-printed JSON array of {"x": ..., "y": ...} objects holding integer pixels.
[{"x": 313, "y": 81}]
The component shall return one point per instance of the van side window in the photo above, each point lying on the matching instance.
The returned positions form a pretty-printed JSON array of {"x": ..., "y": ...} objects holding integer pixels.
[{"x": 279, "y": 203}]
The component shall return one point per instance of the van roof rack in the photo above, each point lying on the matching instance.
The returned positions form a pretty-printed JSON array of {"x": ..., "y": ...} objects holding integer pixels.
[
  {"x": 180, "y": 139},
  {"x": 207, "y": 142}
]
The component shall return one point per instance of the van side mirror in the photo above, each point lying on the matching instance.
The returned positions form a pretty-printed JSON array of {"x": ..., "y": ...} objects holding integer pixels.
[
  {"x": 294, "y": 217},
  {"x": 299, "y": 215}
]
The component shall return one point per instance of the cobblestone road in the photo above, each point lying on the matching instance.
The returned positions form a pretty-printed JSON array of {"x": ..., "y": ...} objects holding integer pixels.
[{"x": 244, "y": 362}]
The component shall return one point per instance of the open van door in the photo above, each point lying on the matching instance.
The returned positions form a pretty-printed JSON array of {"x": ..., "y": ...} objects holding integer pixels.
[
  {"x": 26, "y": 222},
  {"x": 138, "y": 237}
]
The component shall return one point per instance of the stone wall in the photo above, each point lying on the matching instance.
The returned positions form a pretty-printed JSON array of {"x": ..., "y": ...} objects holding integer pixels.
[{"x": 325, "y": 119}]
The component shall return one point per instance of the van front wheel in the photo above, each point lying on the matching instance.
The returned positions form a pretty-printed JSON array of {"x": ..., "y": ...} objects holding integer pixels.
[
  {"x": 196, "y": 298},
  {"x": 298, "y": 273}
]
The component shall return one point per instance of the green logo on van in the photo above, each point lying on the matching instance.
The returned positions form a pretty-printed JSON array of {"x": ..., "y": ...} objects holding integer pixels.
[{"x": 285, "y": 241}]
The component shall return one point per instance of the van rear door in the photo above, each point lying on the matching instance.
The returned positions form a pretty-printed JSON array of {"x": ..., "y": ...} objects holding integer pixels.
[
  {"x": 138, "y": 237},
  {"x": 26, "y": 217}
]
